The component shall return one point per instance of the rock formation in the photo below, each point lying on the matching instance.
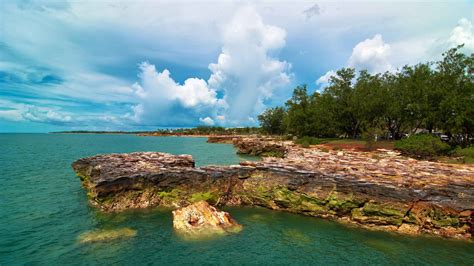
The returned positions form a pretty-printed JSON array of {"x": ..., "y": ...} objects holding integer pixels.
[
  {"x": 201, "y": 220},
  {"x": 380, "y": 190},
  {"x": 265, "y": 147},
  {"x": 253, "y": 145},
  {"x": 228, "y": 139}
]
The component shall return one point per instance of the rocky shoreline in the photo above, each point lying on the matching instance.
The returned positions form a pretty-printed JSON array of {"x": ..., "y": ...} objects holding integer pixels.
[{"x": 379, "y": 190}]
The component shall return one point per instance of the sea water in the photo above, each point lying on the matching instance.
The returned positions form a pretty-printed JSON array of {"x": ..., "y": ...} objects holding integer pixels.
[{"x": 44, "y": 210}]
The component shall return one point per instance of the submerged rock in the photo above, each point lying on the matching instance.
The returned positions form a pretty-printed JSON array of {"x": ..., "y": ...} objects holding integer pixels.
[
  {"x": 106, "y": 235},
  {"x": 201, "y": 220}
]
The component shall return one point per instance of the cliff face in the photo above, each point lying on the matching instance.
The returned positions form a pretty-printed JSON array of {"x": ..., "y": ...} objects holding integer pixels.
[{"x": 383, "y": 191}]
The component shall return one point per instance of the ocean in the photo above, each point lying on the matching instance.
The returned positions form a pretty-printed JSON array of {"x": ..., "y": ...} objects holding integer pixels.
[{"x": 44, "y": 210}]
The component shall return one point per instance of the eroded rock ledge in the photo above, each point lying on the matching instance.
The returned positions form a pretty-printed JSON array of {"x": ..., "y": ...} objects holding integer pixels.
[
  {"x": 380, "y": 190},
  {"x": 258, "y": 146}
]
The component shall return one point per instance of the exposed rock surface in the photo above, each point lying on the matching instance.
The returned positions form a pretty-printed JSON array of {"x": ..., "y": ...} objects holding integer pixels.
[
  {"x": 201, "y": 219},
  {"x": 266, "y": 147},
  {"x": 222, "y": 139},
  {"x": 380, "y": 190},
  {"x": 253, "y": 145}
]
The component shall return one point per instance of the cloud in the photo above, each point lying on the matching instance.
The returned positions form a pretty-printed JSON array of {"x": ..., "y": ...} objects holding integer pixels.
[
  {"x": 377, "y": 56},
  {"x": 24, "y": 112},
  {"x": 314, "y": 10},
  {"x": 324, "y": 80},
  {"x": 41, "y": 5},
  {"x": 463, "y": 34},
  {"x": 159, "y": 86},
  {"x": 245, "y": 74},
  {"x": 371, "y": 54},
  {"x": 207, "y": 121},
  {"x": 163, "y": 101},
  {"x": 247, "y": 71},
  {"x": 79, "y": 59}
]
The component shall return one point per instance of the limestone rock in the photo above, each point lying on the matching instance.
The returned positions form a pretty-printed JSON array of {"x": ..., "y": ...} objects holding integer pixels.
[
  {"x": 228, "y": 139},
  {"x": 201, "y": 219},
  {"x": 375, "y": 189},
  {"x": 267, "y": 147}
]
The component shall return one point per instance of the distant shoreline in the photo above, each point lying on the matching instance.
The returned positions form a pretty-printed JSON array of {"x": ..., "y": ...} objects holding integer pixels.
[
  {"x": 100, "y": 132},
  {"x": 156, "y": 133}
]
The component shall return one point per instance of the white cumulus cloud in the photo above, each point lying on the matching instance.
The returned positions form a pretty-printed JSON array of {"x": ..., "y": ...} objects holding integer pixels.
[
  {"x": 247, "y": 70},
  {"x": 246, "y": 73},
  {"x": 324, "y": 79},
  {"x": 371, "y": 54},
  {"x": 207, "y": 121},
  {"x": 463, "y": 34},
  {"x": 162, "y": 100}
]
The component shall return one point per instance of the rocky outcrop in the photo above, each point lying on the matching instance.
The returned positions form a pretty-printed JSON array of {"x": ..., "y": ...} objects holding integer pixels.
[
  {"x": 379, "y": 190},
  {"x": 228, "y": 139},
  {"x": 252, "y": 145},
  {"x": 202, "y": 220},
  {"x": 265, "y": 147}
]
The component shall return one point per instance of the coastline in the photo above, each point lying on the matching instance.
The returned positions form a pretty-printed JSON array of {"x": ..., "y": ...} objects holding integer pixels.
[{"x": 378, "y": 190}]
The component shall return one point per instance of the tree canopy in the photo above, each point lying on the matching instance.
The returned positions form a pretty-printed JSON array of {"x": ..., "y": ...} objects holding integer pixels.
[{"x": 433, "y": 96}]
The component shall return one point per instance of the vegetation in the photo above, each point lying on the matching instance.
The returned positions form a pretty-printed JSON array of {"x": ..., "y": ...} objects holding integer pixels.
[
  {"x": 466, "y": 154},
  {"x": 208, "y": 130},
  {"x": 422, "y": 146},
  {"x": 271, "y": 120},
  {"x": 200, "y": 130},
  {"x": 306, "y": 141},
  {"x": 428, "y": 97}
]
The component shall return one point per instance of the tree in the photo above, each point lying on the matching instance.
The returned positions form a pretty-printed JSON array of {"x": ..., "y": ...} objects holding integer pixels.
[
  {"x": 322, "y": 121},
  {"x": 429, "y": 96},
  {"x": 341, "y": 90},
  {"x": 455, "y": 80},
  {"x": 368, "y": 105},
  {"x": 297, "y": 120},
  {"x": 271, "y": 120}
]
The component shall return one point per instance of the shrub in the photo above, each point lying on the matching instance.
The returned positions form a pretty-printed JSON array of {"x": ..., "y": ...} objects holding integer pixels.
[
  {"x": 467, "y": 154},
  {"x": 306, "y": 141},
  {"x": 422, "y": 146},
  {"x": 305, "y": 144}
]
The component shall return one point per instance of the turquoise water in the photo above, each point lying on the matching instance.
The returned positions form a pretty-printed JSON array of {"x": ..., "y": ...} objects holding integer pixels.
[{"x": 43, "y": 210}]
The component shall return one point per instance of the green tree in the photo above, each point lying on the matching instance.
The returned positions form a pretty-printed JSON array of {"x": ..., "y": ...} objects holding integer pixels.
[
  {"x": 455, "y": 81},
  {"x": 271, "y": 120},
  {"x": 322, "y": 120},
  {"x": 429, "y": 96},
  {"x": 341, "y": 90},
  {"x": 297, "y": 119}
]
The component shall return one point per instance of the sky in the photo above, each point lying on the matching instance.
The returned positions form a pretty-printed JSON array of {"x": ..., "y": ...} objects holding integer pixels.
[{"x": 143, "y": 65}]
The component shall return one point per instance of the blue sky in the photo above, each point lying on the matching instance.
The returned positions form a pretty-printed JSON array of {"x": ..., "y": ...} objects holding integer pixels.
[{"x": 140, "y": 65}]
